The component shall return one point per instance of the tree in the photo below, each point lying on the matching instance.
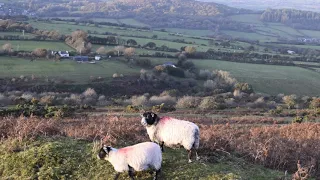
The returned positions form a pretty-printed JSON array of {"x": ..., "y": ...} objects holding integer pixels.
[
  {"x": 151, "y": 45},
  {"x": 119, "y": 49},
  {"x": 131, "y": 42},
  {"x": 290, "y": 101},
  {"x": 7, "y": 48},
  {"x": 101, "y": 50},
  {"x": 129, "y": 52},
  {"x": 39, "y": 52},
  {"x": 190, "y": 49}
]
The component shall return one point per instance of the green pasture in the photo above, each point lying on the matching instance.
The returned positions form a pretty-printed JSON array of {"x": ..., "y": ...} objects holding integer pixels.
[
  {"x": 31, "y": 45},
  {"x": 269, "y": 79},
  {"x": 66, "y": 69}
]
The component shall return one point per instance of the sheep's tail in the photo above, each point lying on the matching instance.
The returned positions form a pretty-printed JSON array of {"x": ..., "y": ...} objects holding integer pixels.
[{"x": 196, "y": 138}]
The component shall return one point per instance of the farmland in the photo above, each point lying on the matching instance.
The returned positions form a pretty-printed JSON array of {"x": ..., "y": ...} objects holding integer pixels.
[
  {"x": 80, "y": 73},
  {"x": 31, "y": 45},
  {"x": 269, "y": 79}
]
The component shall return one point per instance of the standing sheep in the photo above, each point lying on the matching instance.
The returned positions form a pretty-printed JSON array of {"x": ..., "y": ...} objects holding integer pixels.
[
  {"x": 172, "y": 132},
  {"x": 138, "y": 157}
]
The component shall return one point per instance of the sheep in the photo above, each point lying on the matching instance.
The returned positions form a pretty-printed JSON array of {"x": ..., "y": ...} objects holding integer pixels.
[
  {"x": 138, "y": 157},
  {"x": 172, "y": 132}
]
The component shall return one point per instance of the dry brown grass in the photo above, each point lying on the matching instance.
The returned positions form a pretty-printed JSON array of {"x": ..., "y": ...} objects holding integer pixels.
[{"x": 274, "y": 146}]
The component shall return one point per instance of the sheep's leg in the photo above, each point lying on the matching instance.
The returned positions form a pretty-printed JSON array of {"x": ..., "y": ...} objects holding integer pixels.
[
  {"x": 157, "y": 174},
  {"x": 161, "y": 145},
  {"x": 130, "y": 172},
  {"x": 116, "y": 176},
  {"x": 197, "y": 156},
  {"x": 189, "y": 155}
]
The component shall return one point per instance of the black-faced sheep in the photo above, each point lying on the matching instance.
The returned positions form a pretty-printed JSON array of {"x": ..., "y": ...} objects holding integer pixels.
[
  {"x": 172, "y": 132},
  {"x": 138, "y": 157}
]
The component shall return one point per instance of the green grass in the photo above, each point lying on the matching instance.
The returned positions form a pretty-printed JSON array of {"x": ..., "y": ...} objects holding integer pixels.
[
  {"x": 310, "y": 33},
  {"x": 27, "y": 35},
  {"x": 66, "y": 69},
  {"x": 31, "y": 45},
  {"x": 74, "y": 159},
  {"x": 269, "y": 78},
  {"x": 192, "y": 32},
  {"x": 132, "y": 22},
  {"x": 105, "y": 20},
  {"x": 251, "y": 36},
  {"x": 247, "y": 18},
  {"x": 301, "y": 46}
]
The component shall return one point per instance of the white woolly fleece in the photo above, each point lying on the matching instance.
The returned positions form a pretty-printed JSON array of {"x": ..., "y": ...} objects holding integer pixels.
[
  {"x": 174, "y": 132},
  {"x": 140, "y": 157}
]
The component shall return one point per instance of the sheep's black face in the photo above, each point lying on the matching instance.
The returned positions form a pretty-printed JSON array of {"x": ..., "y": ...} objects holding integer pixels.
[
  {"x": 104, "y": 151},
  {"x": 148, "y": 118}
]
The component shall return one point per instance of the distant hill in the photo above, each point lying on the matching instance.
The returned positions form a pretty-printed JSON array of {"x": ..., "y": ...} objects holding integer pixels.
[
  {"x": 128, "y": 7},
  {"x": 189, "y": 14},
  {"x": 308, "y": 5}
]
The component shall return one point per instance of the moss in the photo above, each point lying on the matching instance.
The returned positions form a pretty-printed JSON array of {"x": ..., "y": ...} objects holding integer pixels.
[{"x": 66, "y": 158}]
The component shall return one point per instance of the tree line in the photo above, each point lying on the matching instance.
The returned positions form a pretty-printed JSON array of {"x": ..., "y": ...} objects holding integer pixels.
[{"x": 295, "y": 18}]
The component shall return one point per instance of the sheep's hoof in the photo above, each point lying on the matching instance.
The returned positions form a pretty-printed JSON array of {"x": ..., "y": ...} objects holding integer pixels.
[
  {"x": 198, "y": 158},
  {"x": 190, "y": 161}
]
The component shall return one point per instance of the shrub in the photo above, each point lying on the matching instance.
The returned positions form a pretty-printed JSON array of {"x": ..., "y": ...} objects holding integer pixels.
[
  {"x": 171, "y": 92},
  {"x": 47, "y": 100},
  {"x": 143, "y": 62},
  {"x": 209, "y": 84},
  {"x": 167, "y": 100},
  {"x": 132, "y": 109},
  {"x": 315, "y": 103},
  {"x": 4, "y": 101},
  {"x": 206, "y": 74},
  {"x": 177, "y": 72},
  {"x": 162, "y": 108},
  {"x": 208, "y": 103},
  {"x": 90, "y": 93},
  {"x": 224, "y": 75},
  {"x": 159, "y": 69},
  {"x": 290, "y": 101},
  {"x": 27, "y": 96},
  {"x": 188, "y": 102},
  {"x": 298, "y": 119},
  {"x": 244, "y": 87},
  {"x": 139, "y": 100}
]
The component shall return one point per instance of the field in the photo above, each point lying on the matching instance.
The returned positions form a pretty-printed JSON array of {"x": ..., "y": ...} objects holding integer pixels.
[
  {"x": 132, "y": 22},
  {"x": 269, "y": 78},
  {"x": 32, "y": 45},
  {"x": 67, "y": 69},
  {"x": 264, "y": 31}
]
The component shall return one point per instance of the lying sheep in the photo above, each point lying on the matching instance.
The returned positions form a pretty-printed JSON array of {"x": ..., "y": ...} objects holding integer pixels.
[
  {"x": 138, "y": 157},
  {"x": 172, "y": 132}
]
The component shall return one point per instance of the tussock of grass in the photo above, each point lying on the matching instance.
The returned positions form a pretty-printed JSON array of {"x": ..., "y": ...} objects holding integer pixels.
[{"x": 66, "y": 158}]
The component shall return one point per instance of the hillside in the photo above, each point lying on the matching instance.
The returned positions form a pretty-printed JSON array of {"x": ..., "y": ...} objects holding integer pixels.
[
  {"x": 131, "y": 7},
  {"x": 308, "y": 5}
]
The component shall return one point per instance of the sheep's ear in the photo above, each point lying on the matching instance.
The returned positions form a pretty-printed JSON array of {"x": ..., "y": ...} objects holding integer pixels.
[{"x": 141, "y": 114}]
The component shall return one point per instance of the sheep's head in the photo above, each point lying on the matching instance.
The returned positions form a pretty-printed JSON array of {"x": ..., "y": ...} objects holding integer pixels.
[
  {"x": 104, "y": 152},
  {"x": 149, "y": 118}
]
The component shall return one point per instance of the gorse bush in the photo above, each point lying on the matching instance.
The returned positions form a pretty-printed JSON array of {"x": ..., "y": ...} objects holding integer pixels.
[
  {"x": 188, "y": 102},
  {"x": 158, "y": 100},
  {"x": 208, "y": 103}
]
